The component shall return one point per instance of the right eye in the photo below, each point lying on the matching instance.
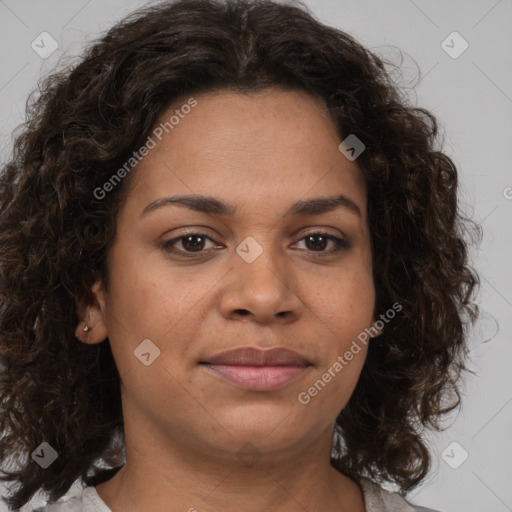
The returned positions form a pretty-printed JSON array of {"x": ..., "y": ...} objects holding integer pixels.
[{"x": 191, "y": 243}]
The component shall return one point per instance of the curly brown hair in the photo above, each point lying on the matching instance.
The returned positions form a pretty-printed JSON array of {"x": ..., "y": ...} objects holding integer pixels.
[{"x": 55, "y": 233}]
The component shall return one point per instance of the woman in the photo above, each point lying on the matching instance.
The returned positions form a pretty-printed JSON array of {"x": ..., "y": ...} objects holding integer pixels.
[{"x": 232, "y": 270}]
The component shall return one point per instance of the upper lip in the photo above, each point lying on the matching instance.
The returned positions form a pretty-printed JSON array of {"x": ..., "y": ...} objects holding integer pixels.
[{"x": 250, "y": 356}]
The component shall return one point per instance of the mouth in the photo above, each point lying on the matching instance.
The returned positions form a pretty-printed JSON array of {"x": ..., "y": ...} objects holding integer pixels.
[{"x": 257, "y": 370}]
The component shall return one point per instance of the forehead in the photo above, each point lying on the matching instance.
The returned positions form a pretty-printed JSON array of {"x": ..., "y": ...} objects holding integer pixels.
[{"x": 270, "y": 146}]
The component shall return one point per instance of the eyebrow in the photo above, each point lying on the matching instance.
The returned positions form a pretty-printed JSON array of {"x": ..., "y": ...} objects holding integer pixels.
[{"x": 211, "y": 205}]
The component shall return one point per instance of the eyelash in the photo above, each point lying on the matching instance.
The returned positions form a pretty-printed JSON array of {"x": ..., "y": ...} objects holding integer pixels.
[{"x": 340, "y": 244}]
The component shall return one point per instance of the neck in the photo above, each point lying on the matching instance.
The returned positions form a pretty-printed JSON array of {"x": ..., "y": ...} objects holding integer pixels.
[{"x": 183, "y": 478}]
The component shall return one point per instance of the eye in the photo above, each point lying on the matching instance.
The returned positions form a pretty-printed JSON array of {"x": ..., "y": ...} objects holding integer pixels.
[
  {"x": 319, "y": 239},
  {"x": 192, "y": 244}
]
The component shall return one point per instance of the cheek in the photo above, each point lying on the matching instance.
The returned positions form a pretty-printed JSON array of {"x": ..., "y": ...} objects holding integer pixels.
[
  {"x": 139, "y": 283},
  {"x": 151, "y": 301},
  {"x": 347, "y": 303}
]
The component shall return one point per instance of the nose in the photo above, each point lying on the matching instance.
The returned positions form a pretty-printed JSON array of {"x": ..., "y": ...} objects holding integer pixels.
[{"x": 262, "y": 289}]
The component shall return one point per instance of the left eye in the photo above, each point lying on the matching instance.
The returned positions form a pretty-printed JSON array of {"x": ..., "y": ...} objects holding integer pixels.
[
  {"x": 189, "y": 242},
  {"x": 193, "y": 244}
]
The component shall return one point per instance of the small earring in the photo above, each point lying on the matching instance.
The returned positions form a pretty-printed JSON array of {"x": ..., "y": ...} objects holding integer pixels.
[{"x": 87, "y": 328}]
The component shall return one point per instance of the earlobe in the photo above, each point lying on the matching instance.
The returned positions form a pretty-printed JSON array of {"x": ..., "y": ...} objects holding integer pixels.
[{"x": 92, "y": 330}]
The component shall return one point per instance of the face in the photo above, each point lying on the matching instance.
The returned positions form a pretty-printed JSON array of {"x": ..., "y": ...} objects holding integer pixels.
[{"x": 264, "y": 274}]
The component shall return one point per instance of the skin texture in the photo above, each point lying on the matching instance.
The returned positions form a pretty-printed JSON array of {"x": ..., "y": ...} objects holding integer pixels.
[{"x": 185, "y": 427}]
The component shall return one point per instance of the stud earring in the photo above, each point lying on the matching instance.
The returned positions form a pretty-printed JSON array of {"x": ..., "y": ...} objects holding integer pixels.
[{"x": 87, "y": 328}]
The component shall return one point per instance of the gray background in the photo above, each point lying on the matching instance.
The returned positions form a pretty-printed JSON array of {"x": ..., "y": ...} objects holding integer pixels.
[{"x": 472, "y": 97}]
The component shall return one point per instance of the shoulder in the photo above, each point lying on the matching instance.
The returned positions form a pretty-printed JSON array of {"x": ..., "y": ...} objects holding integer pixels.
[
  {"x": 378, "y": 499},
  {"x": 77, "y": 499}
]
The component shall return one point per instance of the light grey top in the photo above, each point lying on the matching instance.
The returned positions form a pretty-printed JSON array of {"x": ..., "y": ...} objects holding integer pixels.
[{"x": 376, "y": 499}]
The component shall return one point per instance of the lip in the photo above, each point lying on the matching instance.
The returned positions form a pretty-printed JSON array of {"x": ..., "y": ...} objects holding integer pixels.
[
  {"x": 251, "y": 356},
  {"x": 257, "y": 370}
]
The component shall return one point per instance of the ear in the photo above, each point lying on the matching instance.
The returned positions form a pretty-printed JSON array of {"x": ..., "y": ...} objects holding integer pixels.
[{"x": 91, "y": 328}]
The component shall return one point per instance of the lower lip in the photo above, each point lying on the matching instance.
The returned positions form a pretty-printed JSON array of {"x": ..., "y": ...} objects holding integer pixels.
[{"x": 258, "y": 378}]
